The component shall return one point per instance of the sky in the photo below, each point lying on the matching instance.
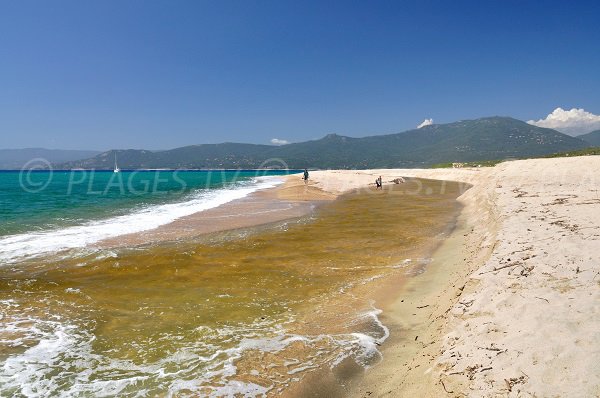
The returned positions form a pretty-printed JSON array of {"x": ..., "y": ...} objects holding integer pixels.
[{"x": 162, "y": 74}]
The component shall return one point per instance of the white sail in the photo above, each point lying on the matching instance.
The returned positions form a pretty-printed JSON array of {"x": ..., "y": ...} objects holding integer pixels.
[{"x": 116, "y": 170}]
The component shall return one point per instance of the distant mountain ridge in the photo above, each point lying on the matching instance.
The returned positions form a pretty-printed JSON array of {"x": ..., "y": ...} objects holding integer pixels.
[
  {"x": 462, "y": 141},
  {"x": 11, "y": 159},
  {"x": 592, "y": 138}
]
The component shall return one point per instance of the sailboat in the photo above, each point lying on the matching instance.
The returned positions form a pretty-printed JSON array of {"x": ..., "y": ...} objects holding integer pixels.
[{"x": 116, "y": 170}]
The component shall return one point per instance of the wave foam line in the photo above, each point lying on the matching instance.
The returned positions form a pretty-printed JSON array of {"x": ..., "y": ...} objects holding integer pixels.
[{"x": 18, "y": 247}]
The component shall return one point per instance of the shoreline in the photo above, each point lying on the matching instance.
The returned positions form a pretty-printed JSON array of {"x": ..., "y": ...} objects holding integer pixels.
[
  {"x": 417, "y": 311},
  {"x": 406, "y": 303},
  {"x": 403, "y": 303},
  {"x": 258, "y": 208},
  {"x": 341, "y": 380},
  {"x": 348, "y": 378},
  {"x": 286, "y": 201},
  {"x": 509, "y": 305}
]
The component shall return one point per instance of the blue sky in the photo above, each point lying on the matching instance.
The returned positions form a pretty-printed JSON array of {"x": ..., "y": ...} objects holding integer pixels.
[{"x": 162, "y": 74}]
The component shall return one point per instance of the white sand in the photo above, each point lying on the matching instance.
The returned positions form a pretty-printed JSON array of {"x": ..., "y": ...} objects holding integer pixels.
[{"x": 515, "y": 310}]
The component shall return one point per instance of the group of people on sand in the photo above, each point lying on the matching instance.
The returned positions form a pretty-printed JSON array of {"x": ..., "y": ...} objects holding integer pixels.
[{"x": 378, "y": 181}]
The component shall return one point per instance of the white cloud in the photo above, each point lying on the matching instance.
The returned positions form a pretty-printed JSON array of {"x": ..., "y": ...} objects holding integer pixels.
[
  {"x": 277, "y": 141},
  {"x": 573, "y": 122},
  {"x": 426, "y": 122}
]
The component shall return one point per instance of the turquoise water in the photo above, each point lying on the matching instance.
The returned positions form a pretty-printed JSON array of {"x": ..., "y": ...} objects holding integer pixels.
[
  {"x": 73, "y": 197},
  {"x": 45, "y": 208}
]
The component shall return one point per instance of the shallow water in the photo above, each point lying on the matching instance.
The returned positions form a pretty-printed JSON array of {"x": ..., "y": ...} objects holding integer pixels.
[{"x": 245, "y": 311}]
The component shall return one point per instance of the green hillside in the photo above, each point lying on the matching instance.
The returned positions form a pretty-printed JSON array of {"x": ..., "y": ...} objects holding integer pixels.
[
  {"x": 227, "y": 155},
  {"x": 463, "y": 141},
  {"x": 592, "y": 138}
]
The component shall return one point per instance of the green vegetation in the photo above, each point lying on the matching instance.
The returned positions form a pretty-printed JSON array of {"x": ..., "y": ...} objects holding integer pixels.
[
  {"x": 582, "y": 152},
  {"x": 463, "y": 141},
  {"x": 484, "y": 163}
]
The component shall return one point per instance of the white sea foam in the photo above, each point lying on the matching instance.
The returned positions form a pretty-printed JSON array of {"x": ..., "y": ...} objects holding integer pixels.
[
  {"x": 27, "y": 245},
  {"x": 82, "y": 372},
  {"x": 364, "y": 346}
]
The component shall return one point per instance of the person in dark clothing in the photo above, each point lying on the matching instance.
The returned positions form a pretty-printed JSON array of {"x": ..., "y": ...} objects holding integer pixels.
[
  {"x": 305, "y": 176},
  {"x": 379, "y": 183}
]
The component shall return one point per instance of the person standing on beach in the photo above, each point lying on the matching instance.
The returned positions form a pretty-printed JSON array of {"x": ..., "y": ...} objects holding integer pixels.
[
  {"x": 379, "y": 183},
  {"x": 305, "y": 176}
]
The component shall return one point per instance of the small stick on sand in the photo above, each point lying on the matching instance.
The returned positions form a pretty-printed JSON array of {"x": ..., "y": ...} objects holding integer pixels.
[
  {"x": 445, "y": 389},
  {"x": 490, "y": 348},
  {"x": 499, "y": 268}
]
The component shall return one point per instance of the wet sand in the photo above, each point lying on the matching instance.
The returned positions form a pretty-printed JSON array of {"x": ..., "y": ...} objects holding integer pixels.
[
  {"x": 261, "y": 207},
  {"x": 296, "y": 189},
  {"x": 294, "y": 198}
]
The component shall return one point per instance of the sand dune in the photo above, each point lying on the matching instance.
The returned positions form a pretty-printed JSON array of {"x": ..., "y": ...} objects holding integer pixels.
[{"x": 511, "y": 304}]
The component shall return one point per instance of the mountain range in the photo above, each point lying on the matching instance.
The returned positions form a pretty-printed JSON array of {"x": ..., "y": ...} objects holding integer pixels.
[
  {"x": 592, "y": 138},
  {"x": 490, "y": 138},
  {"x": 17, "y": 158}
]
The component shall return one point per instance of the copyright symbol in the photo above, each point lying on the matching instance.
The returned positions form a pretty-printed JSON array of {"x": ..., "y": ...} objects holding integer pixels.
[
  {"x": 31, "y": 184},
  {"x": 273, "y": 164}
]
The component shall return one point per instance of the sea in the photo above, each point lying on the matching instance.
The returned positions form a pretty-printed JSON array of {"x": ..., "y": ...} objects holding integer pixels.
[
  {"x": 245, "y": 312},
  {"x": 45, "y": 212}
]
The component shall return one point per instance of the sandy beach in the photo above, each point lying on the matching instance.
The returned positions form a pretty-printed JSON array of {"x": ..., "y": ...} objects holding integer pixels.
[
  {"x": 479, "y": 282},
  {"x": 510, "y": 305}
]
